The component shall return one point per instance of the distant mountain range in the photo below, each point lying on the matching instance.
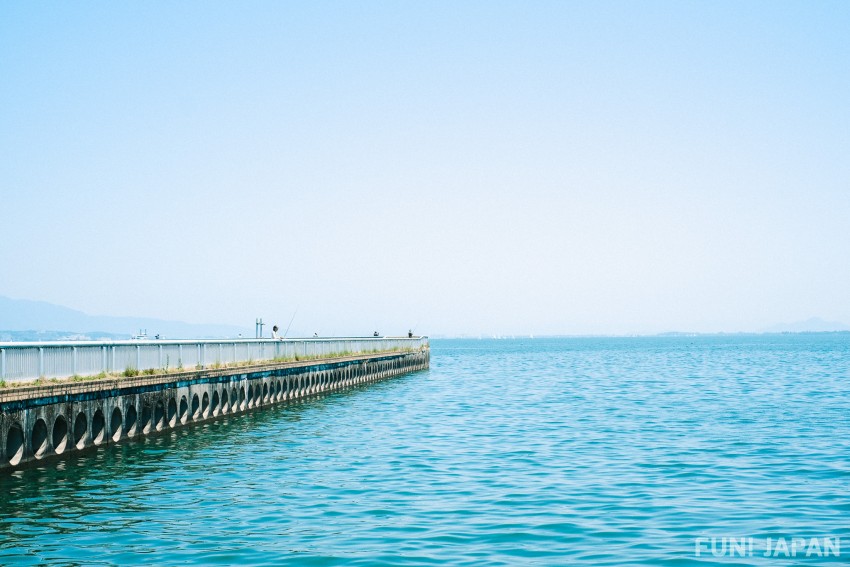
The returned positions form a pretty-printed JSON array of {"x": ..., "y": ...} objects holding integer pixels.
[{"x": 22, "y": 319}]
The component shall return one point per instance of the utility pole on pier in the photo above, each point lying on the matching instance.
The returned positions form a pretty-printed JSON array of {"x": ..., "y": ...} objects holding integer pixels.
[{"x": 258, "y": 328}]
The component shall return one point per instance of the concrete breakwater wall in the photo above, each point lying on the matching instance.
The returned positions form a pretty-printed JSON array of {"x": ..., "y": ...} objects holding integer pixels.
[{"x": 47, "y": 422}]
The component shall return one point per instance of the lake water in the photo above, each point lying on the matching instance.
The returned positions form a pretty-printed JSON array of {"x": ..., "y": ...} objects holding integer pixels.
[{"x": 506, "y": 452}]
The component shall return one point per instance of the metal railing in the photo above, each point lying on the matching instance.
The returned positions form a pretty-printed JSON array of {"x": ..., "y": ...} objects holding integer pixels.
[{"x": 33, "y": 360}]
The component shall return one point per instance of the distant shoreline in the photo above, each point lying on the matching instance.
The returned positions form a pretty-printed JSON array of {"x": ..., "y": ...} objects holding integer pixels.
[{"x": 673, "y": 334}]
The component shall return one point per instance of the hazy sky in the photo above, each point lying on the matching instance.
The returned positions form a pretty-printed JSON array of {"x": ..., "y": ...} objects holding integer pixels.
[{"x": 465, "y": 167}]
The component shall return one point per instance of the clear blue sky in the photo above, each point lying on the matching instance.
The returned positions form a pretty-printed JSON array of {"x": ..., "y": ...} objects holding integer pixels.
[{"x": 467, "y": 167}]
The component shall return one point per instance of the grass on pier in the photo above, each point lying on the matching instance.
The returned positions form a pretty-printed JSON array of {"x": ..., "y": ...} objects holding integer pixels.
[{"x": 131, "y": 372}]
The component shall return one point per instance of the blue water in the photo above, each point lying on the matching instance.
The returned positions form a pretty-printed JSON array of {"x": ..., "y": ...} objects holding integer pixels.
[{"x": 545, "y": 451}]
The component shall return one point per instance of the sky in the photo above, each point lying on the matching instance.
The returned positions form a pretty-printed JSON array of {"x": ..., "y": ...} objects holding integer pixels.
[{"x": 449, "y": 167}]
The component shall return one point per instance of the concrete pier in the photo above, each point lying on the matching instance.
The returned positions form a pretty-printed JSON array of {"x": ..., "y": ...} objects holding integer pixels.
[{"x": 44, "y": 422}]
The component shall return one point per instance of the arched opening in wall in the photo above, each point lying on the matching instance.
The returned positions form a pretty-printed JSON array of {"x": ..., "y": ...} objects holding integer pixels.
[
  {"x": 184, "y": 410},
  {"x": 39, "y": 439},
  {"x": 279, "y": 389},
  {"x": 257, "y": 393},
  {"x": 130, "y": 422},
  {"x": 147, "y": 418},
  {"x": 236, "y": 399},
  {"x": 98, "y": 427},
  {"x": 265, "y": 393},
  {"x": 196, "y": 407},
  {"x": 242, "y": 402},
  {"x": 225, "y": 402},
  {"x": 250, "y": 396},
  {"x": 159, "y": 415},
  {"x": 171, "y": 418},
  {"x": 80, "y": 427},
  {"x": 116, "y": 424},
  {"x": 60, "y": 434},
  {"x": 15, "y": 444},
  {"x": 205, "y": 404}
]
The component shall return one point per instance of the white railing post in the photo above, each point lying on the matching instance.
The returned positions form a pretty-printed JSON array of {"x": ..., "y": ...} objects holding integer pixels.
[
  {"x": 2, "y": 364},
  {"x": 74, "y": 362},
  {"x": 40, "y": 362}
]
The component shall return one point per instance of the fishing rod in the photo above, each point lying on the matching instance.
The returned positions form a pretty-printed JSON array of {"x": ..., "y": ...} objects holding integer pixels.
[{"x": 290, "y": 322}]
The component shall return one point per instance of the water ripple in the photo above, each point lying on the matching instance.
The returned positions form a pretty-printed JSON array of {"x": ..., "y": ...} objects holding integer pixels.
[{"x": 574, "y": 451}]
